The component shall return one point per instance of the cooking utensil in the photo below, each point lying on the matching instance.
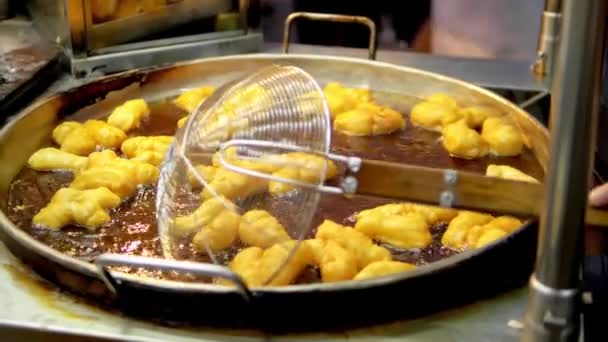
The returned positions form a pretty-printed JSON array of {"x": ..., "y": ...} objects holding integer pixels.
[
  {"x": 276, "y": 105},
  {"x": 288, "y": 113},
  {"x": 447, "y": 188},
  {"x": 462, "y": 278}
]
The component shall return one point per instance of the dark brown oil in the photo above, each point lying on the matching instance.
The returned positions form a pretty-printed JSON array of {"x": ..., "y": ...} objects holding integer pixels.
[{"x": 133, "y": 226}]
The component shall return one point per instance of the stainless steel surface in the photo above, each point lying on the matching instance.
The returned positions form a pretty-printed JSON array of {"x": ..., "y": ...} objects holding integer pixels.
[
  {"x": 498, "y": 74},
  {"x": 170, "y": 53},
  {"x": 34, "y": 310},
  {"x": 548, "y": 42},
  {"x": 37, "y": 121},
  {"x": 494, "y": 319},
  {"x": 50, "y": 21},
  {"x": 331, "y": 18},
  {"x": 560, "y": 322},
  {"x": 574, "y": 111}
]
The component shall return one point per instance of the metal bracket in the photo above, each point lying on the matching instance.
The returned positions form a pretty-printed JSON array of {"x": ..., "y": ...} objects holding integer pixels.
[{"x": 447, "y": 197}]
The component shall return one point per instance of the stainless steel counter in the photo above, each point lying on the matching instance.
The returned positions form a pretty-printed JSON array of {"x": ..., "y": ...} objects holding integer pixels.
[{"x": 34, "y": 310}]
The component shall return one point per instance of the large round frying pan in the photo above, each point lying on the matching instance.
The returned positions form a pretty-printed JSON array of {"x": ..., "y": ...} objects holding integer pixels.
[{"x": 455, "y": 280}]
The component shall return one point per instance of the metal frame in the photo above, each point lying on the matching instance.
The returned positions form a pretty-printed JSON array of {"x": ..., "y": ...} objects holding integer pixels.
[
  {"x": 97, "y": 48},
  {"x": 553, "y": 312}
]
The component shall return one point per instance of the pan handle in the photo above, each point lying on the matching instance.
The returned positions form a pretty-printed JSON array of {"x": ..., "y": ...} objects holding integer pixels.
[
  {"x": 203, "y": 269},
  {"x": 337, "y": 18}
]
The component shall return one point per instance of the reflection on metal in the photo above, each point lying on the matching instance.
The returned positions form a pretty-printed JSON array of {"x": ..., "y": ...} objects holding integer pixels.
[
  {"x": 136, "y": 58},
  {"x": 338, "y": 18},
  {"x": 534, "y": 99},
  {"x": 104, "y": 35},
  {"x": 552, "y": 314}
]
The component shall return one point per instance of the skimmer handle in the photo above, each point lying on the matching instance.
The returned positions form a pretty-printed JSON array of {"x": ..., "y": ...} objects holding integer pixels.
[{"x": 197, "y": 268}]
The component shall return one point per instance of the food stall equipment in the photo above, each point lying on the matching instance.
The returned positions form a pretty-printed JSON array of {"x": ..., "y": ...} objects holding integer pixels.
[
  {"x": 110, "y": 36},
  {"x": 223, "y": 65}
]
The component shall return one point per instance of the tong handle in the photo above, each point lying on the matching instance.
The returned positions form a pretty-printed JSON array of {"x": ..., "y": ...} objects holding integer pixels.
[
  {"x": 338, "y": 18},
  {"x": 202, "y": 269}
]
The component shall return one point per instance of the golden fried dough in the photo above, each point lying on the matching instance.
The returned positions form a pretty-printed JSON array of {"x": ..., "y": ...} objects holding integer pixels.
[
  {"x": 383, "y": 268},
  {"x": 456, "y": 234},
  {"x": 432, "y": 214},
  {"x": 303, "y": 167},
  {"x": 443, "y": 99},
  {"x": 463, "y": 142},
  {"x": 503, "y": 137},
  {"x": 244, "y": 100},
  {"x": 341, "y": 99},
  {"x": 86, "y": 208},
  {"x": 354, "y": 241},
  {"x": 207, "y": 172},
  {"x": 508, "y": 172},
  {"x": 149, "y": 150},
  {"x": 317, "y": 247},
  {"x": 506, "y": 223},
  {"x": 244, "y": 264},
  {"x": 104, "y": 134},
  {"x": 433, "y": 115},
  {"x": 233, "y": 185},
  {"x": 190, "y": 99},
  {"x": 259, "y": 228},
  {"x": 256, "y": 266},
  {"x": 369, "y": 119},
  {"x": 63, "y": 130},
  {"x": 50, "y": 158},
  {"x": 208, "y": 211},
  {"x": 215, "y": 225},
  {"x": 219, "y": 233},
  {"x": 476, "y": 115},
  {"x": 489, "y": 235},
  {"x": 83, "y": 139},
  {"x": 336, "y": 262},
  {"x": 129, "y": 115},
  {"x": 409, "y": 230},
  {"x": 121, "y": 176}
]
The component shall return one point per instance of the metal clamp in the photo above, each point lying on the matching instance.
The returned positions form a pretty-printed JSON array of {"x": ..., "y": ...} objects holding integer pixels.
[
  {"x": 547, "y": 44},
  {"x": 447, "y": 197},
  {"x": 202, "y": 269},
  {"x": 337, "y": 18},
  {"x": 551, "y": 314}
]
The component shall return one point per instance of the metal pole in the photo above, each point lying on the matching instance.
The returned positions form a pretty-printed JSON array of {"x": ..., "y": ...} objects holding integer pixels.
[
  {"x": 548, "y": 39},
  {"x": 552, "y": 313}
]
